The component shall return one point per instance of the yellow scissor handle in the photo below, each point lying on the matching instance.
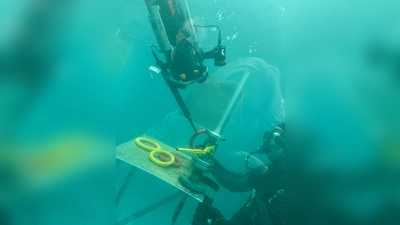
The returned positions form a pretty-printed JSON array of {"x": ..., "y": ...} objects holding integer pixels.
[{"x": 197, "y": 151}]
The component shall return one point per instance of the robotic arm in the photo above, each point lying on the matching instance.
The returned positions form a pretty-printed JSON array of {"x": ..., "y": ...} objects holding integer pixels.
[{"x": 176, "y": 36}]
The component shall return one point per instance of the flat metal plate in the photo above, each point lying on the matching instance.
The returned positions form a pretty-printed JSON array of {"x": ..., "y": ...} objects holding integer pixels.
[
  {"x": 207, "y": 103},
  {"x": 134, "y": 155}
]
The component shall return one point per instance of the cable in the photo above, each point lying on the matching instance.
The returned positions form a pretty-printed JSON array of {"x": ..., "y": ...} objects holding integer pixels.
[
  {"x": 213, "y": 26},
  {"x": 153, "y": 46}
]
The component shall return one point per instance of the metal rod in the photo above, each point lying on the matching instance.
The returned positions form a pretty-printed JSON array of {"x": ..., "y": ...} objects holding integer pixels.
[
  {"x": 232, "y": 102},
  {"x": 181, "y": 103},
  {"x": 127, "y": 180},
  {"x": 179, "y": 209},
  {"x": 151, "y": 208}
]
